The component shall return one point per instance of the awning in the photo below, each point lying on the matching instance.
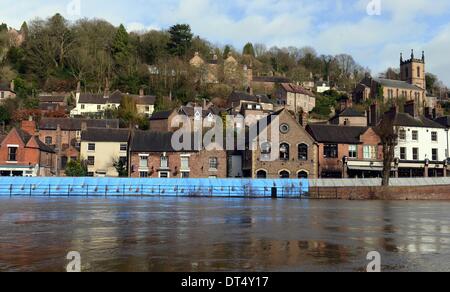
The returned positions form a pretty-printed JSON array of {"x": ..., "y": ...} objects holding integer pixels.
[{"x": 365, "y": 168}]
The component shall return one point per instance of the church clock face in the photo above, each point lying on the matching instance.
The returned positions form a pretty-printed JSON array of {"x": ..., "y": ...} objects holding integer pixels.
[{"x": 284, "y": 128}]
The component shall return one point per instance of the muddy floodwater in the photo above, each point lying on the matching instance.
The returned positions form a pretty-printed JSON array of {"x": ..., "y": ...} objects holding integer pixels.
[{"x": 170, "y": 234}]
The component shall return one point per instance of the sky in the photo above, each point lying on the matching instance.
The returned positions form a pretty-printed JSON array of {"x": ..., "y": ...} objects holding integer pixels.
[{"x": 374, "y": 32}]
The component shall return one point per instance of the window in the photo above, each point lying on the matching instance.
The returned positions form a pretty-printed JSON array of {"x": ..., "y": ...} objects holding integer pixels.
[
  {"x": 266, "y": 148},
  {"x": 91, "y": 147},
  {"x": 330, "y": 151},
  {"x": 147, "y": 108},
  {"x": 302, "y": 174},
  {"x": 164, "y": 174},
  {"x": 164, "y": 161},
  {"x": 143, "y": 174},
  {"x": 91, "y": 160},
  {"x": 370, "y": 152},
  {"x": 90, "y": 174},
  {"x": 3, "y": 95},
  {"x": 284, "y": 152},
  {"x": 48, "y": 140},
  {"x": 435, "y": 156},
  {"x": 403, "y": 153},
  {"x": 185, "y": 174},
  {"x": 99, "y": 107},
  {"x": 143, "y": 161},
  {"x": 402, "y": 134},
  {"x": 407, "y": 73},
  {"x": 124, "y": 160},
  {"x": 353, "y": 151},
  {"x": 284, "y": 175},
  {"x": 261, "y": 174},
  {"x": 434, "y": 136},
  {"x": 82, "y": 107},
  {"x": 185, "y": 163},
  {"x": 418, "y": 72},
  {"x": 415, "y": 153},
  {"x": 123, "y": 147},
  {"x": 12, "y": 154},
  {"x": 415, "y": 135},
  {"x": 213, "y": 163},
  {"x": 303, "y": 152}
]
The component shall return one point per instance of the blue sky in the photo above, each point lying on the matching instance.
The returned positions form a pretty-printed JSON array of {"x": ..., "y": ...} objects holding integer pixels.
[{"x": 330, "y": 26}]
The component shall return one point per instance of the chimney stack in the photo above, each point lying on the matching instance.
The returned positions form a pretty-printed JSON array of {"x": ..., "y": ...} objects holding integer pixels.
[
  {"x": 141, "y": 92},
  {"x": 106, "y": 93},
  {"x": 303, "y": 118},
  {"x": 411, "y": 108},
  {"x": 29, "y": 126},
  {"x": 373, "y": 115},
  {"x": 78, "y": 87},
  {"x": 12, "y": 86},
  {"x": 83, "y": 126}
]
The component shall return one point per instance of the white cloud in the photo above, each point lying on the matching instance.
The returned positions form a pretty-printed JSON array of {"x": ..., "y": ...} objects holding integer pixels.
[{"x": 331, "y": 27}]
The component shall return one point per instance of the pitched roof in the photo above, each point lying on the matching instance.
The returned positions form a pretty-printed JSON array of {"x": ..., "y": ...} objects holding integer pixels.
[
  {"x": 444, "y": 121},
  {"x": 25, "y": 137},
  {"x": 237, "y": 96},
  {"x": 406, "y": 120},
  {"x": 161, "y": 115},
  {"x": 5, "y": 87},
  {"x": 190, "y": 111},
  {"x": 115, "y": 98},
  {"x": 271, "y": 79},
  {"x": 350, "y": 112},
  {"x": 51, "y": 99},
  {"x": 75, "y": 124},
  {"x": 294, "y": 88},
  {"x": 90, "y": 98},
  {"x": 148, "y": 141},
  {"x": 336, "y": 134},
  {"x": 396, "y": 84},
  {"x": 105, "y": 135}
]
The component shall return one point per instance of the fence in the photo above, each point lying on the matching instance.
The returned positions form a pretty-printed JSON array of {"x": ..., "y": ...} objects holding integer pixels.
[{"x": 108, "y": 187}]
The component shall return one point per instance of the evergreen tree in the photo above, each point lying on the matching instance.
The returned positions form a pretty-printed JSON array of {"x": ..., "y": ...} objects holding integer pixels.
[
  {"x": 249, "y": 50},
  {"x": 180, "y": 39},
  {"x": 120, "y": 48},
  {"x": 226, "y": 51}
]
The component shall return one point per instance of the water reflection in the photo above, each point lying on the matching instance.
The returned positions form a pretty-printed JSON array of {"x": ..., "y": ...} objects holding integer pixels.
[{"x": 222, "y": 235}]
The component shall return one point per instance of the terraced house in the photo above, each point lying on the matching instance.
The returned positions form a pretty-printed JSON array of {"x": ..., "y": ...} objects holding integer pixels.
[
  {"x": 23, "y": 154},
  {"x": 152, "y": 155},
  {"x": 103, "y": 149}
]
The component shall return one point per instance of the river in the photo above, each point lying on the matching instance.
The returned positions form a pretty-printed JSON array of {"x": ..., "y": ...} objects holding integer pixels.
[{"x": 189, "y": 234}]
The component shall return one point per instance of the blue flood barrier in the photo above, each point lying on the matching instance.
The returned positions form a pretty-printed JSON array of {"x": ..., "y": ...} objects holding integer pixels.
[{"x": 109, "y": 187}]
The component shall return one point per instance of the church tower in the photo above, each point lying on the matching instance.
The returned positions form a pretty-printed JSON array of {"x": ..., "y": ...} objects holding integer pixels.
[{"x": 413, "y": 70}]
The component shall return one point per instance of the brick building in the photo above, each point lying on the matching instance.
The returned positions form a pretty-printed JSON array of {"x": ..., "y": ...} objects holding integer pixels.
[
  {"x": 152, "y": 155},
  {"x": 23, "y": 154},
  {"x": 346, "y": 151},
  {"x": 297, "y": 150}
]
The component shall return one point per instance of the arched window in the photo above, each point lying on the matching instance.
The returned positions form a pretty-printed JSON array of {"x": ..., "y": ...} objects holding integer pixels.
[
  {"x": 284, "y": 151},
  {"x": 261, "y": 174},
  {"x": 284, "y": 174},
  {"x": 418, "y": 71},
  {"x": 302, "y": 174},
  {"x": 303, "y": 152}
]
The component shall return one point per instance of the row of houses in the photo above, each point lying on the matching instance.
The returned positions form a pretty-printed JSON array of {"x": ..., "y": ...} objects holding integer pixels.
[{"x": 346, "y": 146}]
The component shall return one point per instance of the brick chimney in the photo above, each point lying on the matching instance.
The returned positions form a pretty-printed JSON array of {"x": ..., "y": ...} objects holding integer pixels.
[
  {"x": 411, "y": 108},
  {"x": 83, "y": 126},
  {"x": 141, "y": 92},
  {"x": 29, "y": 126},
  {"x": 345, "y": 103},
  {"x": 303, "y": 118},
  {"x": 373, "y": 115}
]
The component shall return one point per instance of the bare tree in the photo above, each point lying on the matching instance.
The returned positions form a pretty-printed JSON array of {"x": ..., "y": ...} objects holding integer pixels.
[{"x": 388, "y": 133}]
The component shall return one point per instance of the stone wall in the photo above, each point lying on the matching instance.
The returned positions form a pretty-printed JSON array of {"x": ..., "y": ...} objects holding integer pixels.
[{"x": 379, "y": 193}]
